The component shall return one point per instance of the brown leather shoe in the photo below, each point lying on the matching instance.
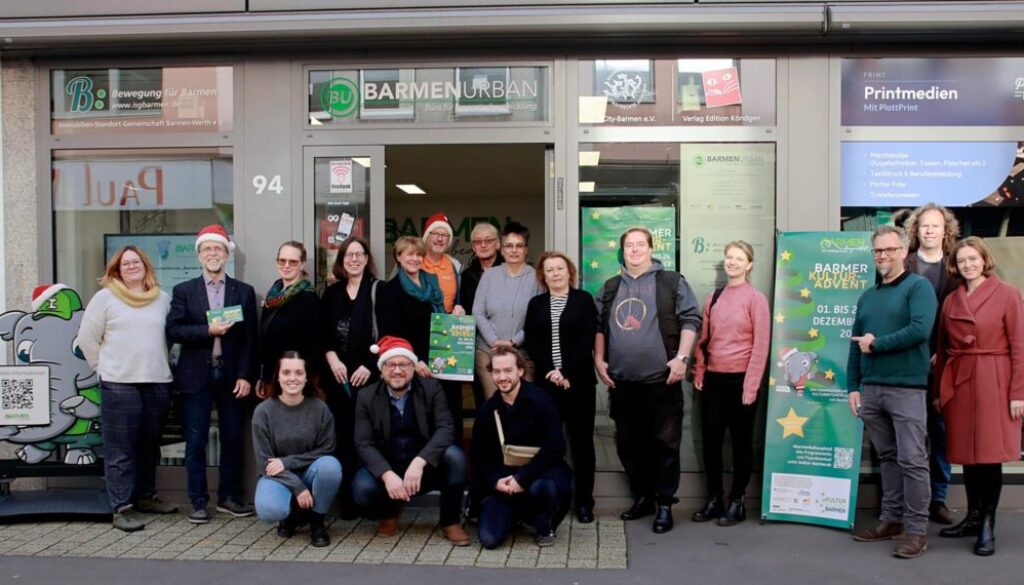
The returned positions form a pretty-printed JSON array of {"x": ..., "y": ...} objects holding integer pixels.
[
  {"x": 455, "y": 534},
  {"x": 883, "y": 531},
  {"x": 939, "y": 513},
  {"x": 387, "y": 527},
  {"x": 912, "y": 546}
]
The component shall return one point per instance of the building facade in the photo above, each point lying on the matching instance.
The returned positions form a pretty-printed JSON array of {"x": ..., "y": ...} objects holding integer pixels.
[{"x": 707, "y": 121}]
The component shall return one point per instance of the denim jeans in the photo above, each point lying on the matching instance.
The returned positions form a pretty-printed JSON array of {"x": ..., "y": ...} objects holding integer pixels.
[
  {"x": 322, "y": 477},
  {"x": 370, "y": 494},
  {"x": 543, "y": 504},
  {"x": 195, "y": 415},
  {"x": 132, "y": 421},
  {"x": 940, "y": 468}
]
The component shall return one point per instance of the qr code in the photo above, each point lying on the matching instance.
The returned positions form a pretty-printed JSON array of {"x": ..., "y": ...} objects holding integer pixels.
[
  {"x": 16, "y": 394},
  {"x": 842, "y": 458}
]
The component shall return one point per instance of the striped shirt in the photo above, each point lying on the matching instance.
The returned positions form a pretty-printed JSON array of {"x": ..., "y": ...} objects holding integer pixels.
[{"x": 557, "y": 306}]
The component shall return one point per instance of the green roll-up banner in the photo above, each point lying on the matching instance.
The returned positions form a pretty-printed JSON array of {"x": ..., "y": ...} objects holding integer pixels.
[{"x": 812, "y": 440}]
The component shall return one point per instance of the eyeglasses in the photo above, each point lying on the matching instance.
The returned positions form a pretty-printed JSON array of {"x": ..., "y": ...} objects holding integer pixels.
[
  {"x": 282, "y": 262},
  {"x": 398, "y": 366},
  {"x": 355, "y": 255},
  {"x": 517, "y": 246},
  {"x": 487, "y": 241},
  {"x": 440, "y": 235},
  {"x": 890, "y": 252}
]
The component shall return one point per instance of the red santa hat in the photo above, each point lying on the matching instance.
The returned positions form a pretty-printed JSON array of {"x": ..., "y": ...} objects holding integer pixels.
[
  {"x": 41, "y": 294},
  {"x": 438, "y": 220},
  {"x": 214, "y": 233},
  {"x": 390, "y": 346}
]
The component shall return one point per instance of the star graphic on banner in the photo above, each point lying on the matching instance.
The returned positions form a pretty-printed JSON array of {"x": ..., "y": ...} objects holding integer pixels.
[
  {"x": 594, "y": 265},
  {"x": 780, "y": 318},
  {"x": 830, "y": 375},
  {"x": 786, "y": 255},
  {"x": 805, "y": 292},
  {"x": 595, "y": 215},
  {"x": 612, "y": 244},
  {"x": 792, "y": 424},
  {"x": 812, "y": 333},
  {"x": 452, "y": 360},
  {"x": 771, "y": 381}
]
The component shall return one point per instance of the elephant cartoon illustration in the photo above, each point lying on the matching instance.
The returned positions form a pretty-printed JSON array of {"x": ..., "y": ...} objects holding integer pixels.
[
  {"x": 797, "y": 367},
  {"x": 48, "y": 336}
]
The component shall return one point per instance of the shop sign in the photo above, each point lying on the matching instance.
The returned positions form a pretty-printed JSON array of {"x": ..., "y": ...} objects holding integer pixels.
[
  {"x": 132, "y": 185},
  {"x": 953, "y": 174},
  {"x": 400, "y": 93},
  {"x": 141, "y": 100},
  {"x": 933, "y": 92}
]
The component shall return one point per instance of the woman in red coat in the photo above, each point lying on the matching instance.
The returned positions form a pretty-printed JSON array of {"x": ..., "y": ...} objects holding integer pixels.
[{"x": 980, "y": 365}]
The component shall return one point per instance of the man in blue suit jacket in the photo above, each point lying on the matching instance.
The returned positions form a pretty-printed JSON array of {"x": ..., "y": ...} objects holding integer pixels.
[{"x": 217, "y": 365}]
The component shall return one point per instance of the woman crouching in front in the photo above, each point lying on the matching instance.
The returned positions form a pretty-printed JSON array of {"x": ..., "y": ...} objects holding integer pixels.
[{"x": 293, "y": 436}]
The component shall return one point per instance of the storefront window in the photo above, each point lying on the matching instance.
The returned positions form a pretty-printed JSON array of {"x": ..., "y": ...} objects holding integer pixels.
[
  {"x": 978, "y": 174},
  {"x": 677, "y": 92},
  {"x": 157, "y": 99},
  {"x": 156, "y": 199},
  {"x": 448, "y": 95},
  {"x": 694, "y": 197}
]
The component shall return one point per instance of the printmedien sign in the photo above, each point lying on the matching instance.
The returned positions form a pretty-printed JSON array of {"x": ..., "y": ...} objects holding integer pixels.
[
  {"x": 172, "y": 99},
  {"x": 933, "y": 92},
  {"x": 954, "y": 174}
]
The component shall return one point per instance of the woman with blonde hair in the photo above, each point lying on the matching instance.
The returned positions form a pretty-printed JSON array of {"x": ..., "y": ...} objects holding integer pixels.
[
  {"x": 730, "y": 361},
  {"x": 406, "y": 302},
  {"x": 122, "y": 337}
]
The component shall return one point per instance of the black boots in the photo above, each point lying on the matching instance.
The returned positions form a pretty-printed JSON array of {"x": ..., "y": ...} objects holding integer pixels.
[
  {"x": 969, "y": 526},
  {"x": 986, "y": 544},
  {"x": 297, "y": 518},
  {"x": 643, "y": 506},
  {"x": 663, "y": 519},
  {"x": 318, "y": 535},
  {"x": 711, "y": 510},
  {"x": 734, "y": 514}
]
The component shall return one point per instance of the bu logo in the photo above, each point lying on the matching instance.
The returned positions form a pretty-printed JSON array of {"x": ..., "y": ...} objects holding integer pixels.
[{"x": 79, "y": 89}]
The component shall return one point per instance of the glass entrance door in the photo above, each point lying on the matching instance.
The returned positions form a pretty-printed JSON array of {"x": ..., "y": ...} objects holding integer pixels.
[{"x": 344, "y": 195}]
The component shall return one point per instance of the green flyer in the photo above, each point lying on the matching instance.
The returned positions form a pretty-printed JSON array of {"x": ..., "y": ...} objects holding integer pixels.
[
  {"x": 812, "y": 440},
  {"x": 600, "y": 230},
  {"x": 452, "y": 347}
]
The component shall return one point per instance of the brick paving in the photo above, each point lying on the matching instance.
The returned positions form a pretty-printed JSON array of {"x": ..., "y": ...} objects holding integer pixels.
[{"x": 601, "y": 545}]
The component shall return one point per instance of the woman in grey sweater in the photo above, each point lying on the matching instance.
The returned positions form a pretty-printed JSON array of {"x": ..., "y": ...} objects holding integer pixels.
[
  {"x": 501, "y": 301},
  {"x": 293, "y": 437}
]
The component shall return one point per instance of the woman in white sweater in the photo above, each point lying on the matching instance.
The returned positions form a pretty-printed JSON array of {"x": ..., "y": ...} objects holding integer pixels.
[{"x": 122, "y": 337}]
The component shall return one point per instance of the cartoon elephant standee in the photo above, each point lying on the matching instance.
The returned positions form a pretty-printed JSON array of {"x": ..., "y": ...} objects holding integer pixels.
[
  {"x": 797, "y": 367},
  {"x": 48, "y": 336}
]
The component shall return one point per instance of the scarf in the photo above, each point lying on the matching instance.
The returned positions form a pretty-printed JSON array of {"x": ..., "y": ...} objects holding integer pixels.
[
  {"x": 279, "y": 294},
  {"x": 132, "y": 298},
  {"x": 429, "y": 291}
]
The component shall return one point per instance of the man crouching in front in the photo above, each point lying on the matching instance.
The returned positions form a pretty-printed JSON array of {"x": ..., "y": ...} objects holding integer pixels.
[{"x": 405, "y": 439}]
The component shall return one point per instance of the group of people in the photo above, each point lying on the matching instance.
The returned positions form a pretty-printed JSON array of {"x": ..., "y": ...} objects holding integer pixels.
[
  {"x": 937, "y": 356},
  {"x": 387, "y": 431}
]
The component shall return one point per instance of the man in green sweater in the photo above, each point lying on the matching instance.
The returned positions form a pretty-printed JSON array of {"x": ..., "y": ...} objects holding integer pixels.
[{"x": 888, "y": 382}]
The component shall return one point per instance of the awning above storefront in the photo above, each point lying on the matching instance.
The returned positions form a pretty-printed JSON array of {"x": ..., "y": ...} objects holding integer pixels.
[{"x": 582, "y": 24}]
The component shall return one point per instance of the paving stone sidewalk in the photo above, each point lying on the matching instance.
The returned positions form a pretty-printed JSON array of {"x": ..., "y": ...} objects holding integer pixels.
[{"x": 601, "y": 545}]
